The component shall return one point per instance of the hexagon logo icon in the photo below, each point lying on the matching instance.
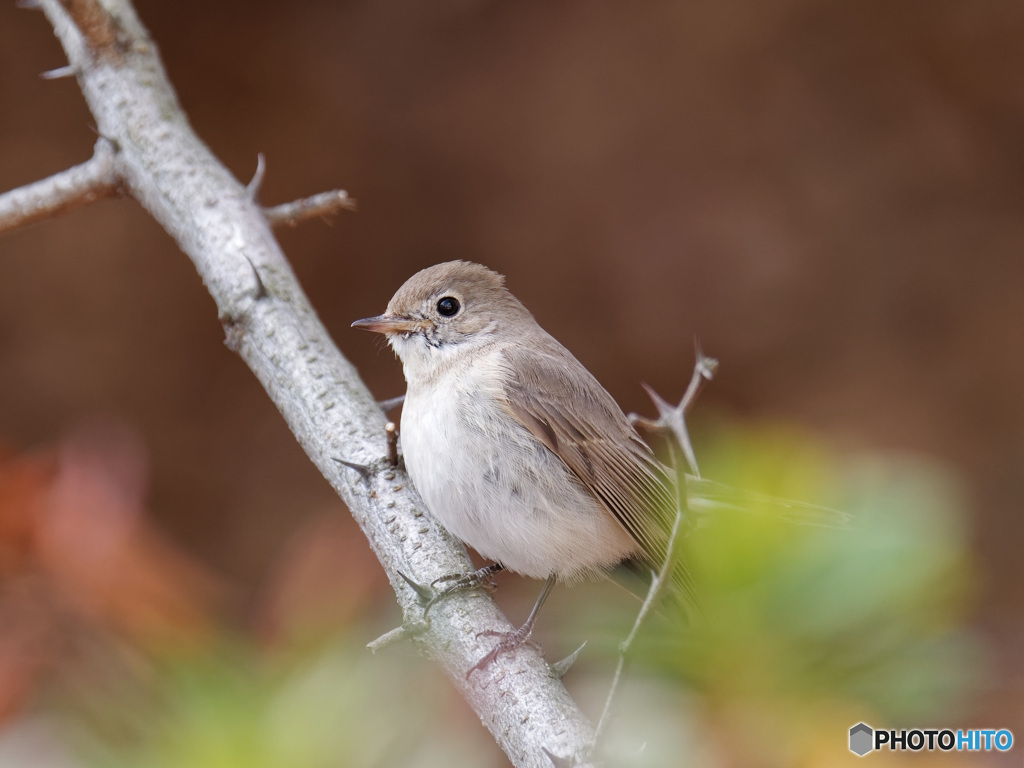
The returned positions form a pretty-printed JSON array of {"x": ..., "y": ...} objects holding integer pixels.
[{"x": 861, "y": 739}]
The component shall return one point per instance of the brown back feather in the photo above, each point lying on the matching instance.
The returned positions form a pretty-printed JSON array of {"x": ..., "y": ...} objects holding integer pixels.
[{"x": 547, "y": 389}]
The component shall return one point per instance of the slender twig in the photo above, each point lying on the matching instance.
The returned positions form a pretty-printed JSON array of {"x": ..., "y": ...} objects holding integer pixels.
[
  {"x": 658, "y": 580},
  {"x": 93, "y": 180},
  {"x": 322, "y": 204},
  {"x": 673, "y": 420}
]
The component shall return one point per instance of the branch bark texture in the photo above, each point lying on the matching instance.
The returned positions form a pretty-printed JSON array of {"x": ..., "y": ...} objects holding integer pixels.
[{"x": 271, "y": 325}]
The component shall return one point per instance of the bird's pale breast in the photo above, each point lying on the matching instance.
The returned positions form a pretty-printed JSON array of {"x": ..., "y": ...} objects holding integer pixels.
[{"x": 496, "y": 487}]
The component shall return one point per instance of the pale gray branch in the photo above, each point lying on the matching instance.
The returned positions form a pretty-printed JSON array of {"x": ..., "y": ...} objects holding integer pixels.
[
  {"x": 94, "y": 179},
  {"x": 272, "y": 326}
]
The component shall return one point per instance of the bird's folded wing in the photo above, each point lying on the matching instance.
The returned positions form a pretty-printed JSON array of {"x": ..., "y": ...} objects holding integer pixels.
[{"x": 565, "y": 408}]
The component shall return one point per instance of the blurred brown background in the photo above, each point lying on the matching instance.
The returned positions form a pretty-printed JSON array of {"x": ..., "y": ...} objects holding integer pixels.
[{"x": 830, "y": 195}]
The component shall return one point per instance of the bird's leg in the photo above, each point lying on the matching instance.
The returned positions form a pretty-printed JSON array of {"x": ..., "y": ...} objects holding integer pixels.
[{"x": 512, "y": 640}]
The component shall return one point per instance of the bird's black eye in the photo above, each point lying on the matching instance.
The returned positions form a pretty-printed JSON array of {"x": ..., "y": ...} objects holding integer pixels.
[{"x": 448, "y": 306}]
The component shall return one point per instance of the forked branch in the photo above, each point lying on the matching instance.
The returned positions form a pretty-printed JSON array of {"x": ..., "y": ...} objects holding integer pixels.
[{"x": 63, "y": 192}]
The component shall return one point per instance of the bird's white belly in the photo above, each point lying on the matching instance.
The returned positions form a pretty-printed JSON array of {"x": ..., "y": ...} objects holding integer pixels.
[{"x": 497, "y": 488}]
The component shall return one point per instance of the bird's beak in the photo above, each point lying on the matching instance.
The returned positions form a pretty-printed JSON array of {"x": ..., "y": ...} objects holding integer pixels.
[{"x": 388, "y": 324}]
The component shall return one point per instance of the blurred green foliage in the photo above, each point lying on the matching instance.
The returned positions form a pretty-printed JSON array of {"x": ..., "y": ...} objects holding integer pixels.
[
  {"x": 336, "y": 705},
  {"x": 803, "y": 628}
]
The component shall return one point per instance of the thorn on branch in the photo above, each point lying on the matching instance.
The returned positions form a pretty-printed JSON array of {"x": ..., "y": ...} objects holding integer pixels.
[
  {"x": 322, "y": 204},
  {"x": 261, "y": 288},
  {"x": 559, "y": 668},
  {"x": 390, "y": 404},
  {"x": 362, "y": 469},
  {"x": 425, "y": 592},
  {"x": 59, "y": 73},
  {"x": 559, "y": 762},
  {"x": 252, "y": 189},
  {"x": 27, "y": 5}
]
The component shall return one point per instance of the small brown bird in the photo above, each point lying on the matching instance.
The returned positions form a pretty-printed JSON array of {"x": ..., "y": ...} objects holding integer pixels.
[{"x": 514, "y": 446}]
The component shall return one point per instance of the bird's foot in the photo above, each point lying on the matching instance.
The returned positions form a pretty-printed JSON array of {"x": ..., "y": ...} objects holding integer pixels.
[
  {"x": 461, "y": 582},
  {"x": 453, "y": 583},
  {"x": 512, "y": 640},
  {"x": 509, "y": 642}
]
